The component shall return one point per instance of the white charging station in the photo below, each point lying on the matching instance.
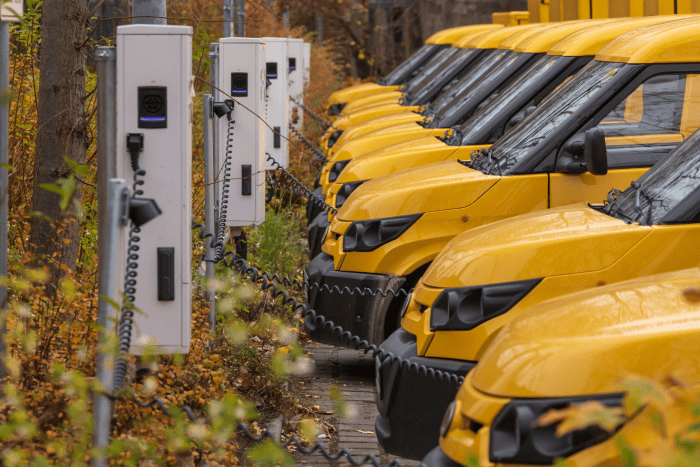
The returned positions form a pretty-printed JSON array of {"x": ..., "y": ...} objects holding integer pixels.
[
  {"x": 296, "y": 82},
  {"x": 277, "y": 101},
  {"x": 242, "y": 69},
  {"x": 154, "y": 106}
]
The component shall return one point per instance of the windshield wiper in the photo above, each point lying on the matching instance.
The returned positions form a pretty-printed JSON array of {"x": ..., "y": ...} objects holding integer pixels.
[
  {"x": 611, "y": 207},
  {"x": 639, "y": 191},
  {"x": 454, "y": 138}
]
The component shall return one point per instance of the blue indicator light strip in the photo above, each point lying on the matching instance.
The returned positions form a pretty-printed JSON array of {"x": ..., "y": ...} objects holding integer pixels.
[{"x": 153, "y": 119}]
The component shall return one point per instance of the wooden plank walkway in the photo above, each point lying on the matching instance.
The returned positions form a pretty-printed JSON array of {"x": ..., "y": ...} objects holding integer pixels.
[{"x": 353, "y": 373}]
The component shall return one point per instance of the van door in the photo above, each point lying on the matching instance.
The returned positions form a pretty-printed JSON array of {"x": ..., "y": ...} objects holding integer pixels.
[{"x": 648, "y": 124}]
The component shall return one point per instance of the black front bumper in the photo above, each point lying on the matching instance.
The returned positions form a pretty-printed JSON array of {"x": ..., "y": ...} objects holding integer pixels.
[
  {"x": 316, "y": 230},
  {"x": 412, "y": 398},
  {"x": 361, "y": 315},
  {"x": 437, "y": 458}
]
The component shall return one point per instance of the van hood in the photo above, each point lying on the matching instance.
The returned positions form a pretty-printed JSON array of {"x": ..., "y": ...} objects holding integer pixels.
[
  {"x": 434, "y": 187},
  {"x": 395, "y": 158},
  {"x": 383, "y": 98},
  {"x": 377, "y": 123},
  {"x": 371, "y": 112},
  {"x": 382, "y": 138},
  {"x": 566, "y": 240},
  {"x": 354, "y": 92},
  {"x": 586, "y": 343}
]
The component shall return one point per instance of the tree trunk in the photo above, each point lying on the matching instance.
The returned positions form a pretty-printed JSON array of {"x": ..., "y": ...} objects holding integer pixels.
[{"x": 61, "y": 129}]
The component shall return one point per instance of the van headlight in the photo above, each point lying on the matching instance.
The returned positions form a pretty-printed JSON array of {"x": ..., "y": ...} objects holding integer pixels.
[
  {"x": 370, "y": 235},
  {"x": 335, "y": 109},
  {"x": 464, "y": 308},
  {"x": 338, "y": 167},
  {"x": 333, "y": 138},
  {"x": 517, "y": 439},
  {"x": 345, "y": 192}
]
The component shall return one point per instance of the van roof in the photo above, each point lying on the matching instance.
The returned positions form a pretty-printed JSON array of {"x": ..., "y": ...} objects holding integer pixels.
[
  {"x": 448, "y": 36},
  {"x": 542, "y": 42},
  {"x": 491, "y": 39},
  {"x": 591, "y": 40},
  {"x": 673, "y": 42},
  {"x": 464, "y": 40}
]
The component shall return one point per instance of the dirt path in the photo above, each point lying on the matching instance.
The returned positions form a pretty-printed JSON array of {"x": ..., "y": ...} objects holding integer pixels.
[{"x": 353, "y": 372}]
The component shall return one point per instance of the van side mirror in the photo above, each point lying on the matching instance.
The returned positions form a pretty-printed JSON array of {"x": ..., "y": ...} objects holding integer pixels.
[{"x": 595, "y": 153}]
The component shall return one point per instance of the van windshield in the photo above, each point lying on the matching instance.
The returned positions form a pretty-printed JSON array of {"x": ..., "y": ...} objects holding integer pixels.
[
  {"x": 466, "y": 82},
  {"x": 432, "y": 85},
  {"x": 453, "y": 113},
  {"x": 660, "y": 189},
  {"x": 520, "y": 144},
  {"x": 402, "y": 72},
  {"x": 534, "y": 79},
  {"x": 436, "y": 63}
]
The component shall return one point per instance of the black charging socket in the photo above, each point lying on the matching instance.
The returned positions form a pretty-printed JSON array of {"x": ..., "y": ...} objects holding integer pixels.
[
  {"x": 292, "y": 64},
  {"x": 271, "y": 70},
  {"x": 239, "y": 84},
  {"x": 153, "y": 107}
]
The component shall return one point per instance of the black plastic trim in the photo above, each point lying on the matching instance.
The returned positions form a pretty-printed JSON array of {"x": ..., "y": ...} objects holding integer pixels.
[{"x": 464, "y": 308}]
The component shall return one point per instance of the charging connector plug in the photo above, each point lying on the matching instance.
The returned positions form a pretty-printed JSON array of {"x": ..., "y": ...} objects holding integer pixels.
[
  {"x": 224, "y": 108},
  {"x": 134, "y": 144}
]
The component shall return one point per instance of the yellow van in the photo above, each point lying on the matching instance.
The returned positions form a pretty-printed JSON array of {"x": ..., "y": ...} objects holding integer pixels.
[
  {"x": 481, "y": 46},
  {"x": 569, "y": 351},
  {"x": 405, "y": 71},
  {"x": 391, "y": 228},
  {"x": 487, "y": 277}
]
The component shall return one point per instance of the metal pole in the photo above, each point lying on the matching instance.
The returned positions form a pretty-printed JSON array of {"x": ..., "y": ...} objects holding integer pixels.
[
  {"x": 154, "y": 10},
  {"x": 319, "y": 28},
  {"x": 228, "y": 18},
  {"x": 209, "y": 190},
  {"x": 285, "y": 17},
  {"x": 107, "y": 233},
  {"x": 4, "y": 184},
  {"x": 214, "y": 79},
  {"x": 240, "y": 25}
]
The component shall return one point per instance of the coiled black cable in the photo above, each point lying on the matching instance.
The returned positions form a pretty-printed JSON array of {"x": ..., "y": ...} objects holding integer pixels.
[
  {"x": 320, "y": 120},
  {"x": 318, "y": 154},
  {"x": 125, "y": 325},
  {"x": 299, "y": 188}
]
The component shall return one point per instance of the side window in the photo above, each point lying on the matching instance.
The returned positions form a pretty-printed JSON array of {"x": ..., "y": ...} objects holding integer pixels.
[{"x": 651, "y": 114}]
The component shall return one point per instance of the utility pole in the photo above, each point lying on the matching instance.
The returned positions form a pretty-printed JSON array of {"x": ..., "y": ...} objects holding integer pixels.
[
  {"x": 285, "y": 17},
  {"x": 153, "y": 10}
]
